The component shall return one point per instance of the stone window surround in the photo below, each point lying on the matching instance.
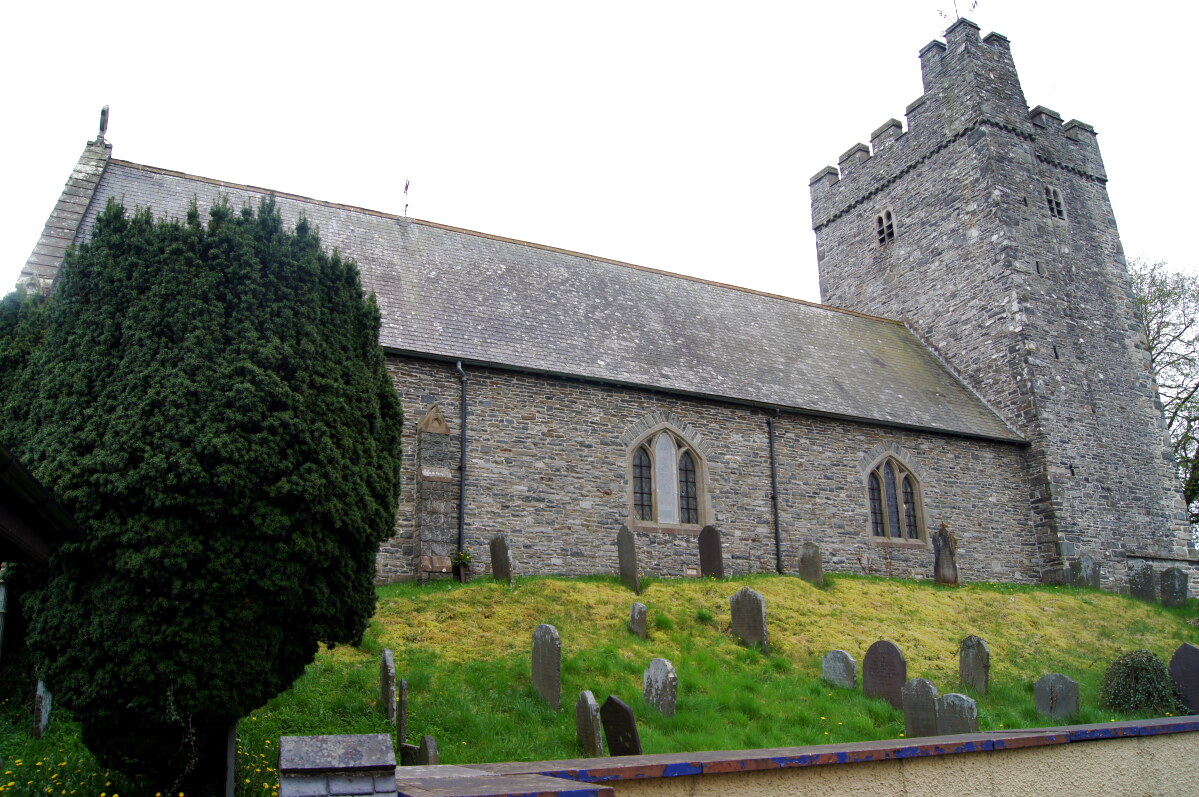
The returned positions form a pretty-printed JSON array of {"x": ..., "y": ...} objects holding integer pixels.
[
  {"x": 874, "y": 461},
  {"x": 703, "y": 500},
  {"x": 884, "y": 226},
  {"x": 1054, "y": 204}
]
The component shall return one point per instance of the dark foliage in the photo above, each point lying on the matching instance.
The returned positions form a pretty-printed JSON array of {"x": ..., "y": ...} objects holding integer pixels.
[
  {"x": 1139, "y": 681},
  {"x": 210, "y": 400}
]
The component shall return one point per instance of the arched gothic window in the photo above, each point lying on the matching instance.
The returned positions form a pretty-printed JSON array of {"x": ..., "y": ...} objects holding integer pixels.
[
  {"x": 894, "y": 502},
  {"x": 666, "y": 480},
  {"x": 884, "y": 227}
]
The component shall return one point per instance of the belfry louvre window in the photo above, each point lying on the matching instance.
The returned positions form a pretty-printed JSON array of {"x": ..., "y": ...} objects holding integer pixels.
[
  {"x": 894, "y": 502},
  {"x": 666, "y": 480},
  {"x": 884, "y": 225},
  {"x": 1053, "y": 199}
]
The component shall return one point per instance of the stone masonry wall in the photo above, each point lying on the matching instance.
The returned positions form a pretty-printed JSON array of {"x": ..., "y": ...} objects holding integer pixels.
[
  {"x": 549, "y": 464},
  {"x": 1034, "y": 311}
]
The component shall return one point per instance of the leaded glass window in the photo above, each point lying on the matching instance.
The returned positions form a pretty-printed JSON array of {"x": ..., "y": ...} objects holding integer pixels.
[
  {"x": 688, "y": 497},
  {"x": 894, "y": 496},
  {"x": 666, "y": 481},
  {"x": 643, "y": 495}
]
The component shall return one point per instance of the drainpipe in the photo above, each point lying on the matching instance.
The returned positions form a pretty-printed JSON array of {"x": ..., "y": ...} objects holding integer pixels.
[
  {"x": 774, "y": 496},
  {"x": 462, "y": 462}
]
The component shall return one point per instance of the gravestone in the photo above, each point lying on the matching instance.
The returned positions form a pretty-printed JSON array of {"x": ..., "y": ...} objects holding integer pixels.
[
  {"x": 1085, "y": 572},
  {"x": 974, "y": 664},
  {"x": 501, "y": 560},
  {"x": 426, "y": 752},
  {"x": 1184, "y": 669},
  {"x": 387, "y": 684},
  {"x": 620, "y": 727},
  {"x": 919, "y": 701},
  {"x": 637, "y": 619},
  {"x": 839, "y": 669},
  {"x": 41, "y": 710},
  {"x": 1056, "y": 696},
  {"x": 749, "y": 618},
  {"x": 402, "y": 712},
  {"x": 660, "y": 686},
  {"x": 626, "y": 554},
  {"x": 587, "y": 725},
  {"x": 711, "y": 555},
  {"x": 956, "y": 714},
  {"x": 884, "y": 672},
  {"x": 811, "y": 566},
  {"x": 1142, "y": 582},
  {"x": 1174, "y": 587},
  {"x": 945, "y": 559},
  {"x": 547, "y": 665}
]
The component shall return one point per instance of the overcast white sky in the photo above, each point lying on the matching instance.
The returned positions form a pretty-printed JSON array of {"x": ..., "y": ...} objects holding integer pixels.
[{"x": 674, "y": 135}]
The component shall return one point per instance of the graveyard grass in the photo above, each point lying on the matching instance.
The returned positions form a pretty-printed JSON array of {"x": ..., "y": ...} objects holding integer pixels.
[{"x": 465, "y": 651}]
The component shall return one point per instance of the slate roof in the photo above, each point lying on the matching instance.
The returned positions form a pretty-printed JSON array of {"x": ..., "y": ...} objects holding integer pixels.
[{"x": 455, "y": 294}]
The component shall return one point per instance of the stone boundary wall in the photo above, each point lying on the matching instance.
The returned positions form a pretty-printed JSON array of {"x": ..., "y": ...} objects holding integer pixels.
[{"x": 549, "y": 463}]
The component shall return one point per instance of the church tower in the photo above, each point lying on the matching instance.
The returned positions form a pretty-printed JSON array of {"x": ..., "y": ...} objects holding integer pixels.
[{"x": 987, "y": 229}]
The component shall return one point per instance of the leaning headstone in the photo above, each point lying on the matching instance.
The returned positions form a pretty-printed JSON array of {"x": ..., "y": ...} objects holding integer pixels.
[
  {"x": 387, "y": 684},
  {"x": 919, "y": 699},
  {"x": 711, "y": 555},
  {"x": 884, "y": 672},
  {"x": 974, "y": 664},
  {"x": 956, "y": 714},
  {"x": 426, "y": 751},
  {"x": 620, "y": 727},
  {"x": 1084, "y": 572},
  {"x": 1142, "y": 582},
  {"x": 501, "y": 560},
  {"x": 402, "y": 711},
  {"x": 547, "y": 665},
  {"x": 661, "y": 686},
  {"x": 408, "y": 754},
  {"x": 626, "y": 554},
  {"x": 637, "y": 619},
  {"x": 945, "y": 558},
  {"x": 839, "y": 669},
  {"x": 1184, "y": 669},
  {"x": 1056, "y": 696},
  {"x": 749, "y": 618},
  {"x": 1174, "y": 587},
  {"x": 41, "y": 710},
  {"x": 811, "y": 566},
  {"x": 587, "y": 724}
]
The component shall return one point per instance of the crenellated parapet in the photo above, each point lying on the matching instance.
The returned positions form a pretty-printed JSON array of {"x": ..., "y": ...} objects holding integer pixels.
[{"x": 970, "y": 83}]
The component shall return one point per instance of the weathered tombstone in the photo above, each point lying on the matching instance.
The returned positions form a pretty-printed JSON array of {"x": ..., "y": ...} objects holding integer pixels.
[
  {"x": 408, "y": 753},
  {"x": 587, "y": 724},
  {"x": 387, "y": 684},
  {"x": 945, "y": 559},
  {"x": 974, "y": 664},
  {"x": 919, "y": 698},
  {"x": 547, "y": 665},
  {"x": 1142, "y": 582},
  {"x": 626, "y": 554},
  {"x": 749, "y": 618},
  {"x": 660, "y": 686},
  {"x": 402, "y": 712},
  {"x": 839, "y": 669},
  {"x": 1174, "y": 587},
  {"x": 501, "y": 560},
  {"x": 637, "y": 620},
  {"x": 1184, "y": 669},
  {"x": 1056, "y": 695},
  {"x": 620, "y": 727},
  {"x": 711, "y": 555},
  {"x": 41, "y": 710},
  {"x": 811, "y": 565},
  {"x": 1084, "y": 572},
  {"x": 956, "y": 714},
  {"x": 884, "y": 672},
  {"x": 426, "y": 752}
]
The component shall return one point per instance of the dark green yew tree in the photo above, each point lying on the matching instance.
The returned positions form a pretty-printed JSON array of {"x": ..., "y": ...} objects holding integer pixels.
[{"x": 211, "y": 402}]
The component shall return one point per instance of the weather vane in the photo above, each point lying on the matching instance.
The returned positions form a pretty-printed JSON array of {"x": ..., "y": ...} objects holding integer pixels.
[
  {"x": 406, "y": 182},
  {"x": 103, "y": 124}
]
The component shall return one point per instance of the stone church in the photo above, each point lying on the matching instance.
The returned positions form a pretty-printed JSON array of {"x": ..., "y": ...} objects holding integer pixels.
[{"x": 977, "y": 363}]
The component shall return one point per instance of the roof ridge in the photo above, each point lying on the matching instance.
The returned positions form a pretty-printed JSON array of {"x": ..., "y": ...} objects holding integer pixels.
[{"x": 504, "y": 239}]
